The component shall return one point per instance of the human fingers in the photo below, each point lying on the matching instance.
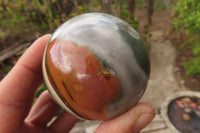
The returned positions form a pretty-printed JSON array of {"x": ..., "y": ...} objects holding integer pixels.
[
  {"x": 43, "y": 110},
  {"x": 18, "y": 87},
  {"x": 131, "y": 122},
  {"x": 63, "y": 123}
]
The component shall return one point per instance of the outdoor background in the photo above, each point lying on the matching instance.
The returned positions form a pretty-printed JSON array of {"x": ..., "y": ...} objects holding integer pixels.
[{"x": 22, "y": 21}]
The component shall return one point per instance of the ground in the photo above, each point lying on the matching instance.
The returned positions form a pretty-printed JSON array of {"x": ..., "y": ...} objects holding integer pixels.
[{"x": 165, "y": 75}]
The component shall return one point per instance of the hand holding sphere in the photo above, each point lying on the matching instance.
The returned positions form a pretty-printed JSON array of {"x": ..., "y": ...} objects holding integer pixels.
[{"x": 19, "y": 114}]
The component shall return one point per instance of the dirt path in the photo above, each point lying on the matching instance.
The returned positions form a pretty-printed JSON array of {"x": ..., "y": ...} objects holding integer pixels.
[
  {"x": 163, "y": 80},
  {"x": 165, "y": 77}
]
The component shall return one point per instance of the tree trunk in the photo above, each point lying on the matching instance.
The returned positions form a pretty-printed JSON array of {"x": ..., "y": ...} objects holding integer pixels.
[
  {"x": 131, "y": 6},
  {"x": 150, "y": 10},
  {"x": 121, "y": 4},
  {"x": 106, "y": 6},
  {"x": 3, "y": 5},
  {"x": 67, "y": 6},
  {"x": 10, "y": 51}
]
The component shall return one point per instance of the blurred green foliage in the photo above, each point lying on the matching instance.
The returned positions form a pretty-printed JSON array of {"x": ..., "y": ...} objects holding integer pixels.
[
  {"x": 20, "y": 17},
  {"x": 6, "y": 68},
  {"x": 96, "y": 4},
  {"x": 188, "y": 19},
  {"x": 188, "y": 16},
  {"x": 128, "y": 17},
  {"x": 160, "y": 6},
  {"x": 140, "y": 4},
  {"x": 40, "y": 90},
  {"x": 23, "y": 17}
]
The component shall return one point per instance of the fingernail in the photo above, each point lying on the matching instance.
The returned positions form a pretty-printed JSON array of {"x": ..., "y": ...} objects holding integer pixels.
[
  {"x": 39, "y": 112},
  {"x": 142, "y": 121}
]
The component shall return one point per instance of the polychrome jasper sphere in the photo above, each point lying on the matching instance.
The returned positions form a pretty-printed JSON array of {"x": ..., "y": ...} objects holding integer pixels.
[{"x": 96, "y": 66}]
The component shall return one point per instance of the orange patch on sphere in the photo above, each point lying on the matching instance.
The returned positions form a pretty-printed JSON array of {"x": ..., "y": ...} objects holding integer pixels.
[{"x": 79, "y": 77}]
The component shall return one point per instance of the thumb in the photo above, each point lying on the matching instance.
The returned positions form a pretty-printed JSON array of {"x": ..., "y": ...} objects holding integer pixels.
[{"x": 130, "y": 122}]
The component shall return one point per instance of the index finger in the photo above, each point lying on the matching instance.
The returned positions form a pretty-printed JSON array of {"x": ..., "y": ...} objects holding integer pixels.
[{"x": 18, "y": 87}]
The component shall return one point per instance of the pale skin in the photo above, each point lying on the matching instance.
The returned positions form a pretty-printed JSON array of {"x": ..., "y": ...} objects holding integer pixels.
[{"x": 17, "y": 115}]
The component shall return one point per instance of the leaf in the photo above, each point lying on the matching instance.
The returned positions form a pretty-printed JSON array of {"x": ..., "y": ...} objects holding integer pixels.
[
  {"x": 40, "y": 90},
  {"x": 6, "y": 69},
  {"x": 189, "y": 20}
]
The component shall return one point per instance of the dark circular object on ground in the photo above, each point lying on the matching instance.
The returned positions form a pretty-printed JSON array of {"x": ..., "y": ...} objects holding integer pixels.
[{"x": 184, "y": 113}]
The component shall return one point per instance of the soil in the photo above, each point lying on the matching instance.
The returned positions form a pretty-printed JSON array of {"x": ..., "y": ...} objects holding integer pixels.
[{"x": 160, "y": 21}]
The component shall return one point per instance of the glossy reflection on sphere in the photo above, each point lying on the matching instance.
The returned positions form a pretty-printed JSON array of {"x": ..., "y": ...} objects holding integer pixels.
[{"x": 96, "y": 66}]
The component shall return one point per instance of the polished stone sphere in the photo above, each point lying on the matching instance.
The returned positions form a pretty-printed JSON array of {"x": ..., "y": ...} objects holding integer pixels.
[{"x": 96, "y": 66}]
